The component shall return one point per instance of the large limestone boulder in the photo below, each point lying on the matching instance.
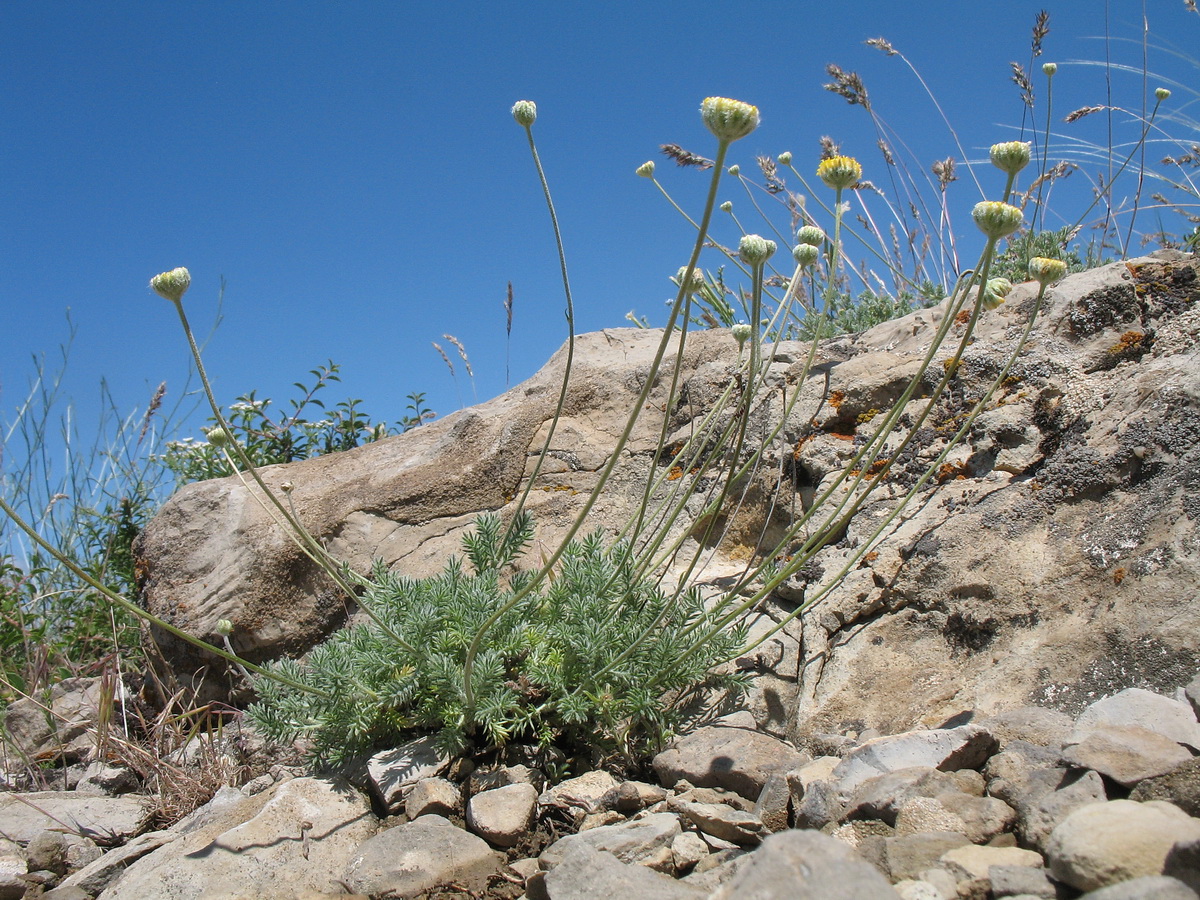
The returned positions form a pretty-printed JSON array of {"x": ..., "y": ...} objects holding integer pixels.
[{"x": 1053, "y": 561}]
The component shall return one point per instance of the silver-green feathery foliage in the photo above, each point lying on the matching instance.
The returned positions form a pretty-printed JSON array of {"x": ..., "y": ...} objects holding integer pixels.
[{"x": 535, "y": 678}]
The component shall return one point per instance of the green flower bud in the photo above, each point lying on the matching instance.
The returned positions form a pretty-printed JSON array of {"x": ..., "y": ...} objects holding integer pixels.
[
  {"x": 1048, "y": 69},
  {"x": 741, "y": 334},
  {"x": 996, "y": 219},
  {"x": 287, "y": 487},
  {"x": 805, "y": 254},
  {"x": 525, "y": 112},
  {"x": 1046, "y": 271},
  {"x": 810, "y": 234},
  {"x": 735, "y": 171},
  {"x": 1011, "y": 156},
  {"x": 785, "y": 158},
  {"x": 727, "y": 206},
  {"x": 995, "y": 291},
  {"x": 646, "y": 169},
  {"x": 1161, "y": 94},
  {"x": 217, "y": 437},
  {"x": 728, "y": 119},
  {"x": 224, "y": 627},
  {"x": 840, "y": 171},
  {"x": 172, "y": 285},
  {"x": 755, "y": 250}
]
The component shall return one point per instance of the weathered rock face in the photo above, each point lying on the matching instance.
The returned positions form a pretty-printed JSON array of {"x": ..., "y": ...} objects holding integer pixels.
[{"x": 1054, "y": 560}]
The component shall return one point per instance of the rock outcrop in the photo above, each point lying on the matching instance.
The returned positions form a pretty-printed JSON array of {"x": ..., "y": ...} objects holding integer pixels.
[{"x": 1055, "y": 558}]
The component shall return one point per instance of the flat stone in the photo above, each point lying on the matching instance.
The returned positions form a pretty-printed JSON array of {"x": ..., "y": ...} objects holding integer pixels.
[
  {"x": 722, "y": 821},
  {"x": 805, "y": 865},
  {"x": 965, "y": 747},
  {"x": 584, "y": 792},
  {"x": 1135, "y": 706},
  {"x": 736, "y": 759},
  {"x": 23, "y": 816},
  {"x": 909, "y": 889},
  {"x": 1032, "y": 724},
  {"x": 393, "y": 771},
  {"x": 1180, "y": 786},
  {"x": 292, "y": 838},
  {"x": 585, "y": 873},
  {"x": 773, "y": 806},
  {"x": 1021, "y": 881},
  {"x": 102, "y": 871},
  {"x": 882, "y": 796},
  {"x": 979, "y": 818},
  {"x": 971, "y": 862},
  {"x": 687, "y": 850},
  {"x": 633, "y": 796},
  {"x": 416, "y": 856},
  {"x": 502, "y": 816},
  {"x": 631, "y": 842},
  {"x": 1106, "y": 843},
  {"x": 1044, "y": 797},
  {"x": 908, "y": 855},
  {"x": 1127, "y": 754}
]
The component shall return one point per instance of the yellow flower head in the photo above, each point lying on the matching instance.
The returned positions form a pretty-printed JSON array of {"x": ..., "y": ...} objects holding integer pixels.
[
  {"x": 728, "y": 119},
  {"x": 840, "y": 172},
  {"x": 996, "y": 219},
  {"x": 1046, "y": 271},
  {"x": 172, "y": 285}
]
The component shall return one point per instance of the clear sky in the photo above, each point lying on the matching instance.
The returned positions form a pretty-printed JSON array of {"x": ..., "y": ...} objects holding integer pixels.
[{"x": 352, "y": 171}]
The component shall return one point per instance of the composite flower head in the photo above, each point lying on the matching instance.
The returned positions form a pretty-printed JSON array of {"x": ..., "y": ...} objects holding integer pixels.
[
  {"x": 755, "y": 250},
  {"x": 996, "y": 219},
  {"x": 728, "y": 119},
  {"x": 805, "y": 254},
  {"x": 525, "y": 112},
  {"x": 646, "y": 169},
  {"x": 1046, "y": 271},
  {"x": 741, "y": 334},
  {"x": 810, "y": 234},
  {"x": 995, "y": 291},
  {"x": 172, "y": 285},
  {"x": 1011, "y": 156},
  {"x": 840, "y": 172}
]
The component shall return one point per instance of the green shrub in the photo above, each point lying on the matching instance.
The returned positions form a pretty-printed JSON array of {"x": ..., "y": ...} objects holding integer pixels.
[{"x": 538, "y": 677}]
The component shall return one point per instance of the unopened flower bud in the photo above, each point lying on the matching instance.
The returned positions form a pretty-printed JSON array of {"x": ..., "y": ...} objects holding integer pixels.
[
  {"x": 728, "y": 119},
  {"x": 996, "y": 219},
  {"x": 805, "y": 254},
  {"x": 785, "y": 158},
  {"x": 1046, "y": 271},
  {"x": 995, "y": 291},
  {"x": 840, "y": 172},
  {"x": 1011, "y": 156},
  {"x": 217, "y": 437},
  {"x": 741, "y": 334},
  {"x": 646, "y": 169},
  {"x": 525, "y": 112},
  {"x": 287, "y": 487},
  {"x": 224, "y": 627},
  {"x": 697, "y": 282},
  {"x": 172, "y": 285},
  {"x": 727, "y": 206},
  {"x": 810, "y": 234},
  {"x": 735, "y": 171},
  {"x": 755, "y": 250},
  {"x": 1048, "y": 69},
  {"x": 1161, "y": 94}
]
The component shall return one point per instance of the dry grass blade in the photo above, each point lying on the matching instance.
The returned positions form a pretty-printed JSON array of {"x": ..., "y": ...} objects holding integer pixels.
[
  {"x": 684, "y": 157},
  {"x": 1083, "y": 111},
  {"x": 847, "y": 85},
  {"x": 442, "y": 354},
  {"x": 1021, "y": 80}
]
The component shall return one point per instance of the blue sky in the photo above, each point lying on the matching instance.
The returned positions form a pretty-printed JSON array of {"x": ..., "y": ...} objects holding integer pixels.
[{"x": 352, "y": 171}]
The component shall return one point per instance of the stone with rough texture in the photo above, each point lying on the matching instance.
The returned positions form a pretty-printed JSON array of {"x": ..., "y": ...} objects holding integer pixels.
[
  {"x": 1145, "y": 709},
  {"x": 630, "y": 842},
  {"x": 1056, "y": 566},
  {"x": 99, "y": 873},
  {"x": 24, "y": 816},
  {"x": 687, "y": 850},
  {"x": 1180, "y": 786},
  {"x": 1034, "y": 724},
  {"x": 1021, "y": 881},
  {"x": 917, "y": 890},
  {"x": 979, "y": 818},
  {"x": 416, "y": 856},
  {"x": 883, "y": 796},
  {"x": 1105, "y": 843},
  {"x": 965, "y": 747},
  {"x": 502, "y": 816},
  {"x": 774, "y": 802},
  {"x": 293, "y": 837},
  {"x": 585, "y": 873},
  {"x": 721, "y": 821},
  {"x": 1043, "y": 797},
  {"x": 37, "y": 733},
  {"x": 1127, "y": 754},
  {"x": 971, "y": 862},
  {"x": 391, "y": 772},
  {"x": 736, "y": 759},
  {"x": 804, "y": 865},
  {"x": 1150, "y": 887},
  {"x": 435, "y": 796},
  {"x": 907, "y": 856},
  {"x": 585, "y": 792}
]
